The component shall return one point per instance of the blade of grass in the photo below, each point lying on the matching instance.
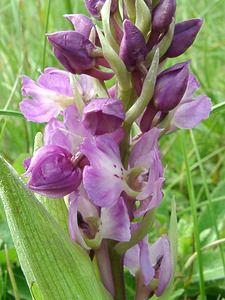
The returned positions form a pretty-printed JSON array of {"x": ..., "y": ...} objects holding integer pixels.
[
  {"x": 46, "y": 30},
  {"x": 11, "y": 275},
  {"x": 199, "y": 205},
  {"x": 208, "y": 195},
  {"x": 191, "y": 194},
  {"x": 11, "y": 113}
]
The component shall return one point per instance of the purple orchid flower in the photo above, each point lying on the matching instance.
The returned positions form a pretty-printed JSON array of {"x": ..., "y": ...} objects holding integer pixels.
[
  {"x": 153, "y": 261},
  {"x": 50, "y": 95},
  {"x": 191, "y": 110},
  {"x": 86, "y": 224},
  {"x": 52, "y": 172},
  {"x": 138, "y": 259},
  {"x": 174, "y": 92},
  {"x": 103, "y": 115},
  {"x": 105, "y": 179},
  {"x": 133, "y": 49}
]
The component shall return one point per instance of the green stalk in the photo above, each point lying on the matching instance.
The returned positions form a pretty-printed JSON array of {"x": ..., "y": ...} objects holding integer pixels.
[
  {"x": 46, "y": 30},
  {"x": 116, "y": 260},
  {"x": 10, "y": 113},
  {"x": 11, "y": 275},
  {"x": 208, "y": 196},
  {"x": 195, "y": 218}
]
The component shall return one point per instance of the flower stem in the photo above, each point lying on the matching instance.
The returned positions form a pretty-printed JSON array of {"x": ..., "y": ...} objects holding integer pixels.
[
  {"x": 103, "y": 261},
  {"x": 117, "y": 272}
]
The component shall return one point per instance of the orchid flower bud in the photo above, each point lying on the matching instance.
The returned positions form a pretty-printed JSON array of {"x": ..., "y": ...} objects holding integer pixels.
[
  {"x": 52, "y": 172},
  {"x": 133, "y": 48},
  {"x": 77, "y": 54},
  {"x": 81, "y": 23},
  {"x": 170, "y": 87},
  {"x": 102, "y": 116},
  {"x": 94, "y": 7},
  {"x": 184, "y": 36},
  {"x": 73, "y": 50},
  {"x": 163, "y": 14}
]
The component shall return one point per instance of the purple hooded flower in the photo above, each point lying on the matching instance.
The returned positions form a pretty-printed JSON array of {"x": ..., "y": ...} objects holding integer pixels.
[
  {"x": 163, "y": 14},
  {"x": 191, "y": 110},
  {"x": 138, "y": 259},
  {"x": 105, "y": 179},
  {"x": 94, "y": 7},
  {"x": 73, "y": 50},
  {"x": 81, "y": 23},
  {"x": 160, "y": 256},
  {"x": 103, "y": 115},
  {"x": 153, "y": 261},
  {"x": 76, "y": 53},
  {"x": 133, "y": 49},
  {"x": 170, "y": 87},
  {"x": 52, "y": 172},
  {"x": 50, "y": 95},
  {"x": 86, "y": 224},
  {"x": 184, "y": 36}
]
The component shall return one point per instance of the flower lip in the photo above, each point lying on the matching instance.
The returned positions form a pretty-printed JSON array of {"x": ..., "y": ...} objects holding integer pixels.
[{"x": 103, "y": 115}]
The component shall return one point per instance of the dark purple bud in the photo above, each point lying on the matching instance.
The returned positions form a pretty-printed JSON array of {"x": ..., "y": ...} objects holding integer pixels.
[
  {"x": 163, "y": 14},
  {"x": 170, "y": 87},
  {"x": 81, "y": 23},
  {"x": 94, "y": 7},
  {"x": 184, "y": 36},
  {"x": 52, "y": 172},
  {"x": 103, "y": 115},
  {"x": 73, "y": 50},
  {"x": 133, "y": 49}
]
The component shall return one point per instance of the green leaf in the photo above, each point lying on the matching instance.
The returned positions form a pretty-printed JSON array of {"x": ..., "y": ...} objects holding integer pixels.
[
  {"x": 143, "y": 17},
  {"x": 60, "y": 269},
  {"x": 105, "y": 13}
]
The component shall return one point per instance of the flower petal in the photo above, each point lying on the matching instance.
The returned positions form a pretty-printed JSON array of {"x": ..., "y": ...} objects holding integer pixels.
[
  {"x": 102, "y": 180},
  {"x": 116, "y": 222},
  {"x": 190, "y": 114},
  {"x": 40, "y": 110}
]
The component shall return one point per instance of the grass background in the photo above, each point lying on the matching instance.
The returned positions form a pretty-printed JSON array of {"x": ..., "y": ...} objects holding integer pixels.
[{"x": 195, "y": 165}]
